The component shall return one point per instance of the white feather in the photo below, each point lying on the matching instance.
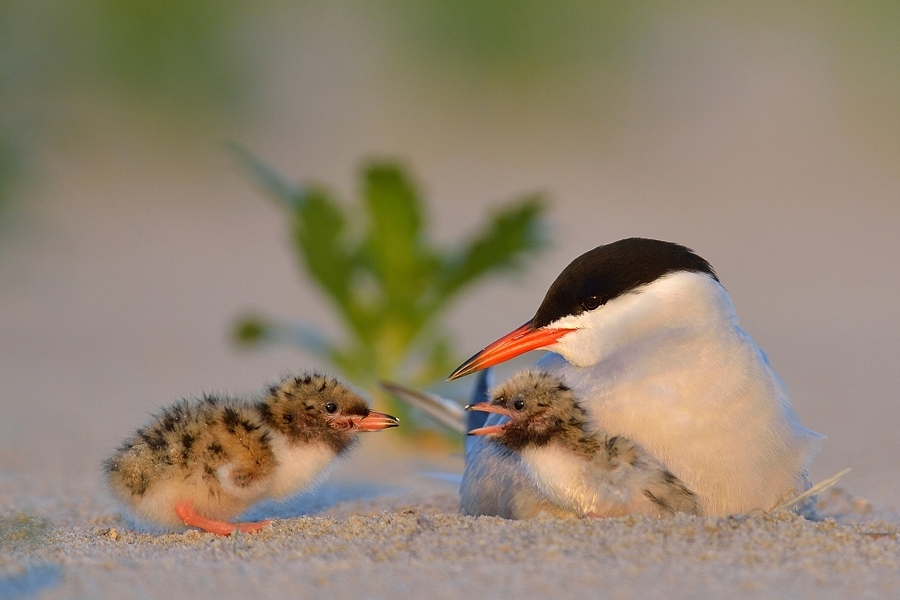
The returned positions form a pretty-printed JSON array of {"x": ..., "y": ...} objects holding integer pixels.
[
  {"x": 299, "y": 465},
  {"x": 668, "y": 367}
]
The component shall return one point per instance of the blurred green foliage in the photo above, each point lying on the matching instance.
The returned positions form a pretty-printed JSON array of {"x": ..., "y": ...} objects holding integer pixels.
[
  {"x": 161, "y": 53},
  {"x": 522, "y": 40},
  {"x": 192, "y": 62},
  {"x": 189, "y": 64},
  {"x": 9, "y": 167},
  {"x": 176, "y": 62},
  {"x": 513, "y": 42},
  {"x": 388, "y": 284}
]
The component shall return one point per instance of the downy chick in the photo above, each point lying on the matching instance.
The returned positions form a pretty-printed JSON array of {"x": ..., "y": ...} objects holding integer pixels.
[
  {"x": 201, "y": 462},
  {"x": 581, "y": 471}
]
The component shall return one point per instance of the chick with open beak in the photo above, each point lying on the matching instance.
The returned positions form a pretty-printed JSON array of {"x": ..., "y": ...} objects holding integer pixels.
[
  {"x": 201, "y": 462},
  {"x": 578, "y": 470}
]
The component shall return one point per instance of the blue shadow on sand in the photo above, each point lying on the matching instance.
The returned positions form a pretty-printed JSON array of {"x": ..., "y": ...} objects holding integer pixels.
[
  {"x": 320, "y": 499},
  {"x": 31, "y": 582}
]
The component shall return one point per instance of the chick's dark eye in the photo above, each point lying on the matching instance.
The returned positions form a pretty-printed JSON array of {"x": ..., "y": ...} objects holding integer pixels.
[
  {"x": 519, "y": 404},
  {"x": 591, "y": 302},
  {"x": 331, "y": 408}
]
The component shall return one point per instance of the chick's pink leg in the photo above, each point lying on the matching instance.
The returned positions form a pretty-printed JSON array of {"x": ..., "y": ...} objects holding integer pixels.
[{"x": 185, "y": 512}]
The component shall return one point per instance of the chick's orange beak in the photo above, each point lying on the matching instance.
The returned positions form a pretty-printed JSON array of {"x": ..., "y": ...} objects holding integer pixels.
[
  {"x": 512, "y": 344},
  {"x": 374, "y": 421},
  {"x": 491, "y": 408}
]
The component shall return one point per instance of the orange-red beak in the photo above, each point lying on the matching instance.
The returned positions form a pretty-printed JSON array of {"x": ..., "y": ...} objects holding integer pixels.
[
  {"x": 509, "y": 346},
  {"x": 491, "y": 408},
  {"x": 374, "y": 421}
]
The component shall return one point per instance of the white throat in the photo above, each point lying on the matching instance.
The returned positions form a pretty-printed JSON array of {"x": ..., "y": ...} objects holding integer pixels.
[{"x": 299, "y": 465}]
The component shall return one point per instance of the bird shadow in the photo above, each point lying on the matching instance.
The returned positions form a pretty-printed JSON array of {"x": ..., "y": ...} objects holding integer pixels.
[
  {"x": 30, "y": 582},
  {"x": 316, "y": 501}
]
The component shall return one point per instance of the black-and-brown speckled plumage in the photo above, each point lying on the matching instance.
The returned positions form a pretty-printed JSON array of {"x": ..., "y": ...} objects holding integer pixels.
[
  {"x": 581, "y": 471},
  {"x": 294, "y": 408},
  {"x": 225, "y": 454}
]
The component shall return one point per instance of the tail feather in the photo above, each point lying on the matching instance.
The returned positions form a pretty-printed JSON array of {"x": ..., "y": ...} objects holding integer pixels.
[{"x": 448, "y": 413}]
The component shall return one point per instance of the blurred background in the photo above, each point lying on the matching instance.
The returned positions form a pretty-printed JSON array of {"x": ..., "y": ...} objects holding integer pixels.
[{"x": 764, "y": 135}]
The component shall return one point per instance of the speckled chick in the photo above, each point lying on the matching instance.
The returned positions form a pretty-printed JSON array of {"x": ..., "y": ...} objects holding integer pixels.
[
  {"x": 201, "y": 462},
  {"x": 583, "y": 472}
]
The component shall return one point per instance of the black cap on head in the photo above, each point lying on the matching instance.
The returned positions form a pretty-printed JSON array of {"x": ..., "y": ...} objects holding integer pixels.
[{"x": 606, "y": 272}]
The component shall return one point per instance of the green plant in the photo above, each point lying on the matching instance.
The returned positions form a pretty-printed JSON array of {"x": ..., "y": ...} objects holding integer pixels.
[{"x": 388, "y": 283}]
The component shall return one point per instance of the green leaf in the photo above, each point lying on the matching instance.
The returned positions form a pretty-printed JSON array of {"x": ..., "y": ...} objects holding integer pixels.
[
  {"x": 319, "y": 236},
  {"x": 512, "y": 233},
  {"x": 394, "y": 248},
  {"x": 250, "y": 331},
  {"x": 289, "y": 194}
]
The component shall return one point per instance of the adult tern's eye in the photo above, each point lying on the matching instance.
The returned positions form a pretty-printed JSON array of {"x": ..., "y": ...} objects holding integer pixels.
[
  {"x": 519, "y": 404},
  {"x": 591, "y": 302},
  {"x": 331, "y": 408}
]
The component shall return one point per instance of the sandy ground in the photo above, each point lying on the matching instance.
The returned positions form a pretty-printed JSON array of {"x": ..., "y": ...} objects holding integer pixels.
[{"x": 386, "y": 527}]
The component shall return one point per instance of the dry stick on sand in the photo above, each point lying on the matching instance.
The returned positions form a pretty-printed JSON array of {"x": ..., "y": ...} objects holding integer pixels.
[{"x": 816, "y": 489}]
